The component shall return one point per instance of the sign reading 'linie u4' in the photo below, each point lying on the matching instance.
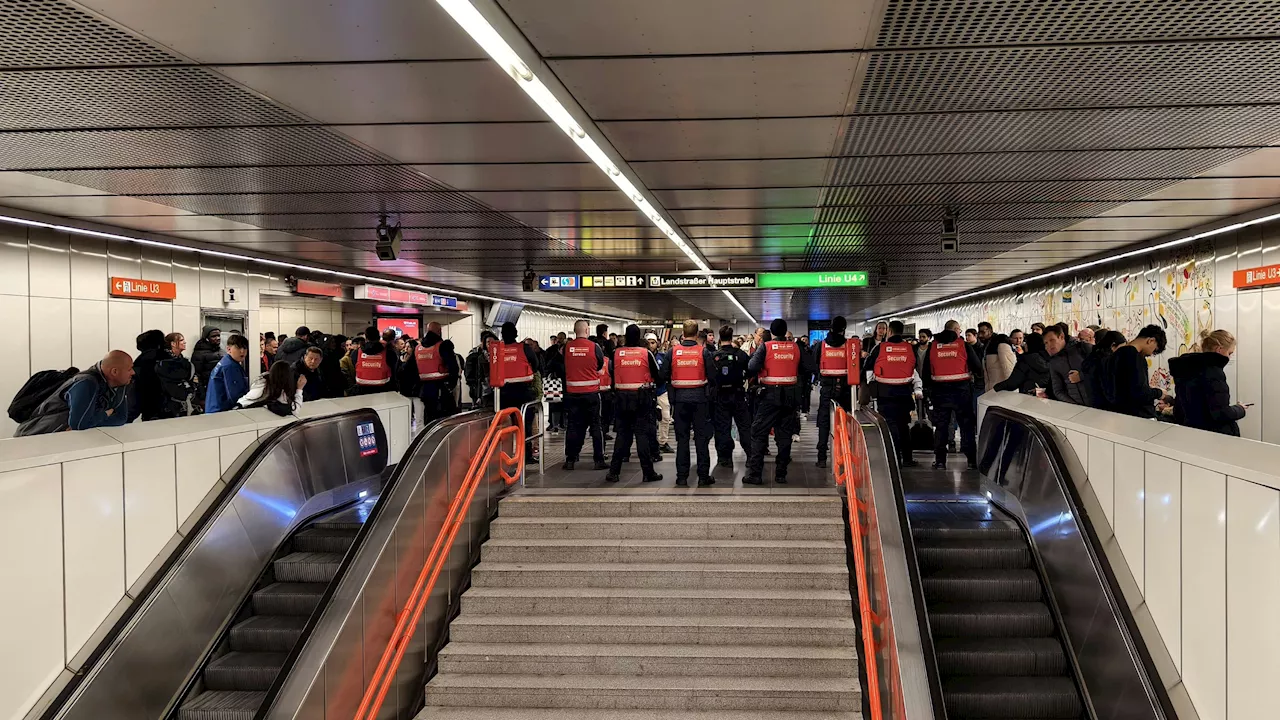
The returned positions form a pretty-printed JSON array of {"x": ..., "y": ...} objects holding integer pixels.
[{"x": 834, "y": 279}]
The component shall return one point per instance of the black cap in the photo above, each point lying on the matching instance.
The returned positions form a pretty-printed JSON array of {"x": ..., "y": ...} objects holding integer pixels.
[{"x": 778, "y": 327}]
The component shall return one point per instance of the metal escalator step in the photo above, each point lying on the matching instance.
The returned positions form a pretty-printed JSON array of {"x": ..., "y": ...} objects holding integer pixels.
[
  {"x": 1000, "y": 656},
  {"x": 324, "y": 540},
  {"x": 244, "y": 671},
  {"x": 222, "y": 705},
  {"x": 982, "y": 586},
  {"x": 990, "y": 619},
  {"x": 932, "y": 529},
  {"x": 288, "y": 598},
  {"x": 954, "y": 554},
  {"x": 307, "y": 567},
  {"x": 1001, "y": 698},
  {"x": 267, "y": 633}
]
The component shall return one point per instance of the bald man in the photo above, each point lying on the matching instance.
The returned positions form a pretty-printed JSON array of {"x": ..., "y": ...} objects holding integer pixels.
[
  {"x": 97, "y": 397},
  {"x": 437, "y": 366}
]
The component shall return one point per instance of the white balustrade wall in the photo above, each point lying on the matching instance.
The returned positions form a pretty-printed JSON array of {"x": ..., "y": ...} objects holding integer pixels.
[
  {"x": 93, "y": 513},
  {"x": 1195, "y": 517}
]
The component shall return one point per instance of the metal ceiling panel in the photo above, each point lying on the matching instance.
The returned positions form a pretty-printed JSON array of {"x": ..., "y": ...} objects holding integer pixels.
[
  {"x": 17, "y": 184},
  {"x": 914, "y": 23},
  {"x": 1153, "y": 224},
  {"x": 530, "y": 177},
  {"x": 270, "y": 179},
  {"x": 462, "y": 91},
  {"x": 710, "y": 87},
  {"x": 1211, "y": 187},
  {"x": 754, "y": 198},
  {"x": 238, "y": 31},
  {"x": 731, "y": 173},
  {"x": 468, "y": 142},
  {"x": 1185, "y": 73},
  {"x": 679, "y": 27},
  {"x": 1264, "y": 162},
  {"x": 91, "y": 206},
  {"x": 47, "y": 33},
  {"x": 723, "y": 139}
]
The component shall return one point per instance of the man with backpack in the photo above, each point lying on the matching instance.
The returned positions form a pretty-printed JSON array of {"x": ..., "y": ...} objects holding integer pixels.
[
  {"x": 729, "y": 398},
  {"x": 97, "y": 397}
]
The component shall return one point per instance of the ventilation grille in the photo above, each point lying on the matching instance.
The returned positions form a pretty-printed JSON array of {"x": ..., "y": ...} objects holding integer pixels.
[
  {"x": 46, "y": 33},
  {"x": 914, "y": 23}
]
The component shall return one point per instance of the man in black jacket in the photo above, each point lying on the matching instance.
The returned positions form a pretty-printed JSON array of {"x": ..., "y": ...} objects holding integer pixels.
[
  {"x": 895, "y": 400},
  {"x": 947, "y": 372},
  {"x": 833, "y": 387},
  {"x": 204, "y": 357},
  {"x": 687, "y": 383},
  {"x": 292, "y": 349},
  {"x": 309, "y": 368},
  {"x": 729, "y": 398},
  {"x": 1131, "y": 391},
  {"x": 1066, "y": 363}
]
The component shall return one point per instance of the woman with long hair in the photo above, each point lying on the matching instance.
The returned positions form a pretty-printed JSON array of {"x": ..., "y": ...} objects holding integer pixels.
[
  {"x": 1204, "y": 397},
  {"x": 279, "y": 385}
]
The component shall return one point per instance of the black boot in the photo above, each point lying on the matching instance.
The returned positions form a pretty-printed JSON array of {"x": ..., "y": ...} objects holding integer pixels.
[
  {"x": 780, "y": 480},
  {"x": 707, "y": 481},
  {"x": 654, "y": 477},
  {"x": 568, "y": 465},
  {"x": 822, "y": 462},
  {"x": 752, "y": 480},
  {"x": 682, "y": 482},
  {"x": 611, "y": 478},
  {"x": 600, "y": 465}
]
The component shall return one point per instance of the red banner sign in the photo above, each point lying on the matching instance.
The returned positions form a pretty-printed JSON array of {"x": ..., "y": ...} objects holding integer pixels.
[
  {"x": 1256, "y": 277},
  {"x": 144, "y": 289},
  {"x": 311, "y": 287},
  {"x": 386, "y": 294}
]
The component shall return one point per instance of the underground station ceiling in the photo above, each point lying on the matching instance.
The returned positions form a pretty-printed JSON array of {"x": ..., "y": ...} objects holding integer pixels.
[{"x": 765, "y": 136}]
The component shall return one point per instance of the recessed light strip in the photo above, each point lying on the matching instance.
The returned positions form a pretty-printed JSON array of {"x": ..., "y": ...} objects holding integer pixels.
[
  {"x": 294, "y": 266},
  {"x": 1076, "y": 268},
  {"x": 473, "y": 21}
]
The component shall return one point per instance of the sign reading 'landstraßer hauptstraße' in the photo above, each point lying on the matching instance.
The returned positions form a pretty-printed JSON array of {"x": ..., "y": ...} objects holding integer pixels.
[{"x": 732, "y": 280}]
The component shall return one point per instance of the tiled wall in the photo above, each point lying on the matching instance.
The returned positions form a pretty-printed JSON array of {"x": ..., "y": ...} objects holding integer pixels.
[{"x": 1185, "y": 290}]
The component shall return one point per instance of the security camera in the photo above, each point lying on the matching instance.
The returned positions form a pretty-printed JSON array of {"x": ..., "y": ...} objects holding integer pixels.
[
  {"x": 388, "y": 240},
  {"x": 530, "y": 279},
  {"x": 884, "y": 274},
  {"x": 950, "y": 232}
]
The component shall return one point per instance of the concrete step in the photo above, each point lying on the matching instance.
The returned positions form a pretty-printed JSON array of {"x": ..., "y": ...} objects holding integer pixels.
[
  {"x": 651, "y": 693},
  {"x": 657, "y": 601},
  {"x": 705, "y": 506},
  {"x": 674, "y": 528},
  {"x": 654, "y": 630},
  {"x": 489, "y": 713},
  {"x": 772, "y": 552},
  {"x": 660, "y": 575},
  {"x": 679, "y": 660}
]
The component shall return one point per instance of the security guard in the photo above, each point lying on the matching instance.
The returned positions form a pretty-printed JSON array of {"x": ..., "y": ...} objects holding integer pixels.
[
  {"x": 635, "y": 373},
  {"x": 779, "y": 364},
  {"x": 511, "y": 371},
  {"x": 687, "y": 381},
  {"x": 839, "y": 362},
  {"x": 729, "y": 398},
  {"x": 949, "y": 366},
  {"x": 583, "y": 361},
  {"x": 374, "y": 369},
  {"x": 893, "y": 364},
  {"x": 437, "y": 366}
]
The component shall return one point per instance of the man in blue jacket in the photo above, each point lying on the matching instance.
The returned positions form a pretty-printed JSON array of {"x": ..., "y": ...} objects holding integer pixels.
[{"x": 228, "y": 381}]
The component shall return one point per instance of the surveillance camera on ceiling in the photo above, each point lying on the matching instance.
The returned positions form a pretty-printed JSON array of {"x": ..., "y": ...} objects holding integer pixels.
[
  {"x": 388, "y": 241},
  {"x": 530, "y": 282},
  {"x": 950, "y": 232}
]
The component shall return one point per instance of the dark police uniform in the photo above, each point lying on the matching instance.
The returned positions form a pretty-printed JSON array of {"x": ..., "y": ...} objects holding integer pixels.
[
  {"x": 729, "y": 402},
  {"x": 634, "y": 375}
]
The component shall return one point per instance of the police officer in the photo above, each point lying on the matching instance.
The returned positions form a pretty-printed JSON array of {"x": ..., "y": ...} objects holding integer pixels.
[
  {"x": 779, "y": 364},
  {"x": 688, "y": 374},
  {"x": 729, "y": 398},
  {"x": 437, "y": 366},
  {"x": 583, "y": 360},
  {"x": 839, "y": 362},
  {"x": 893, "y": 364},
  {"x": 511, "y": 370},
  {"x": 635, "y": 373},
  {"x": 949, "y": 366}
]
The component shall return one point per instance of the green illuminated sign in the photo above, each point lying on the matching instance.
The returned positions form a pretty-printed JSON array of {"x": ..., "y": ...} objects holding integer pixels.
[{"x": 846, "y": 278}]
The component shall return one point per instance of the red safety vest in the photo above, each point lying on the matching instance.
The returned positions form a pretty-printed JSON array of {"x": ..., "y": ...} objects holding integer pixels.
[
  {"x": 580, "y": 374},
  {"x": 606, "y": 382},
  {"x": 373, "y": 369},
  {"x": 631, "y": 368},
  {"x": 430, "y": 363},
  {"x": 688, "y": 367},
  {"x": 514, "y": 366},
  {"x": 895, "y": 363},
  {"x": 781, "y": 363},
  {"x": 949, "y": 362},
  {"x": 845, "y": 360}
]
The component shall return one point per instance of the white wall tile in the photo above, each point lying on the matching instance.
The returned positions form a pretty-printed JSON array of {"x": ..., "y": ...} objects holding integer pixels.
[
  {"x": 1248, "y": 360},
  {"x": 157, "y": 264},
  {"x": 236, "y": 277},
  {"x": 89, "y": 340},
  {"x": 1102, "y": 475},
  {"x": 124, "y": 259},
  {"x": 1253, "y": 594},
  {"x": 230, "y": 447},
  {"x": 49, "y": 259},
  {"x": 186, "y": 279},
  {"x": 1129, "y": 522},
  {"x": 1162, "y": 587},
  {"x": 13, "y": 260},
  {"x": 31, "y": 555},
  {"x": 15, "y": 366},
  {"x": 51, "y": 323},
  {"x": 1204, "y": 590},
  {"x": 1269, "y": 401},
  {"x": 1080, "y": 443},
  {"x": 198, "y": 468},
  {"x": 186, "y": 320},
  {"x": 89, "y": 276},
  {"x": 93, "y": 517},
  {"x": 124, "y": 324},
  {"x": 212, "y": 281},
  {"x": 291, "y": 318},
  {"x": 157, "y": 315},
  {"x": 150, "y": 506}
]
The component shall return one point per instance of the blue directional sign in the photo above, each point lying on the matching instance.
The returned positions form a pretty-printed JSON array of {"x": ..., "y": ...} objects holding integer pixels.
[
  {"x": 556, "y": 283},
  {"x": 444, "y": 301}
]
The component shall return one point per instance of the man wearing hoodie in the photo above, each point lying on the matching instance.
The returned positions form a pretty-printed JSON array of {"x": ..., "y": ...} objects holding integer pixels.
[
  {"x": 375, "y": 365},
  {"x": 437, "y": 370},
  {"x": 228, "y": 381},
  {"x": 292, "y": 349},
  {"x": 148, "y": 392},
  {"x": 839, "y": 361},
  {"x": 948, "y": 371},
  {"x": 205, "y": 355}
]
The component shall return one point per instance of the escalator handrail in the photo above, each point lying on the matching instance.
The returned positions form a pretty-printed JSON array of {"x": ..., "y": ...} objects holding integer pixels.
[
  {"x": 407, "y": 618},
  {"x": 242, "y": 469}
]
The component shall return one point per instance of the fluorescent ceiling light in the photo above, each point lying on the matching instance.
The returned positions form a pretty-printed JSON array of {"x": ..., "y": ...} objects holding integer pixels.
[
  {"x": 294, "y": 266},
  {"x": 489, "y": 39},
  {"x": 1081, "y": 266}
]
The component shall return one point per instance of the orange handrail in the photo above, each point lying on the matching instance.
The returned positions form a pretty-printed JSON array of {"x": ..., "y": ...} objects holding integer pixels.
[{"x": 407, "y": 620}]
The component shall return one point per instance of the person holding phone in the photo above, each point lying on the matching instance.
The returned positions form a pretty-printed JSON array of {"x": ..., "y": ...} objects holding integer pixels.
[{"x": 1204, "y": 397}]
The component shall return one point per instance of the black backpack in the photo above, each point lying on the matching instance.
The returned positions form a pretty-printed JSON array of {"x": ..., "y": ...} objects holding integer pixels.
[
  {"x": 36, "y": 390},
  {"x": 728, "y": 370}
]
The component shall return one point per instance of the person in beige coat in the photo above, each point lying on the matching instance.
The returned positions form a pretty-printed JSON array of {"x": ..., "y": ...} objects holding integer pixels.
[{"x": 999, "y": 360}]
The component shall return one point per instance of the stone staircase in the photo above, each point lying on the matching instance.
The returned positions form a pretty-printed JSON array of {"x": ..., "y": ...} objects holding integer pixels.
[{"x": 635, "y": 607}]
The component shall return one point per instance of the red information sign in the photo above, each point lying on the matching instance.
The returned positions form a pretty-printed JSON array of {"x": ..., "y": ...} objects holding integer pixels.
[
  {"x": 378, "y": 292},
  {"x": 144, "y": 289},
  {"x": 1256, "y": 277},
  {"x": 311, "y": 287}
]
